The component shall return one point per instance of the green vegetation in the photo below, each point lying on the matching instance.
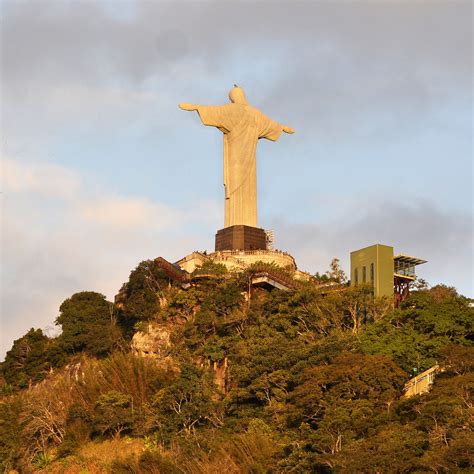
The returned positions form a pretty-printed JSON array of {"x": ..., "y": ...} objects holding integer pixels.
[
  {"x": 28, "y": 360},
  {"x": 251, "y": 380},
  {"x": 88, "y": 324}
]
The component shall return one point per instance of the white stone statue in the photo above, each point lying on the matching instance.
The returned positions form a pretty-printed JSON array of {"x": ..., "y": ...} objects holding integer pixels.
[{"x": 242, "y": 125}]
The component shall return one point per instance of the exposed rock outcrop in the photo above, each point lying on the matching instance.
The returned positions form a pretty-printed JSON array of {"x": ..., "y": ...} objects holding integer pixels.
[
  {"x": 153, "y": 342},
  {"x": 221, "y": 374}
]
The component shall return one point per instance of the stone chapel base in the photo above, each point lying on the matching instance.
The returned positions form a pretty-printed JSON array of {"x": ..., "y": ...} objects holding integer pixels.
[{"x": 241, "y": 237}]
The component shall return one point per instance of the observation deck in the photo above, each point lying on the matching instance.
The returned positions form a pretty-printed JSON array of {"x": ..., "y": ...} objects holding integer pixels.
[{"x": 404, "y": 266}]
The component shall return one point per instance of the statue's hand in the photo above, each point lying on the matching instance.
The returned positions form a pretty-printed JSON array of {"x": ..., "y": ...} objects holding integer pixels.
[
  {"x": 187, "y": 107},
  {"x": 288, "y": 129}
]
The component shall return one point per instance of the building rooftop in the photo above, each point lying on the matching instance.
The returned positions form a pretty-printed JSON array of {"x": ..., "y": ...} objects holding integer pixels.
[
  {"x": 406, "y": 259},
  {"x": 404, "y": 266}
]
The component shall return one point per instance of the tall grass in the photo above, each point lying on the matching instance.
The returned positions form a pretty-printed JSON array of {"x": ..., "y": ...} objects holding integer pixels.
[
  {"x": 47, "y": 406},
  {"x": 123, "y": 372},
  {"x": 244, "y": 453}
]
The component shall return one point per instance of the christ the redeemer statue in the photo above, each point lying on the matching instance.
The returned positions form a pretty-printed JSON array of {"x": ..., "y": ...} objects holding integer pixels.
[{"x": 242, "y": 125}]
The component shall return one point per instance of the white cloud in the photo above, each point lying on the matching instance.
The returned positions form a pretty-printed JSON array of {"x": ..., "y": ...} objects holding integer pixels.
[
  {"x": 344, "y": 61},
  {"x": 83, "y": 102},
  {"x": 125, "y": 213},
  {"x": 419, "y": 228},
  {"x": 58, "y": 240},
  {"x": 43, "y": 179}
]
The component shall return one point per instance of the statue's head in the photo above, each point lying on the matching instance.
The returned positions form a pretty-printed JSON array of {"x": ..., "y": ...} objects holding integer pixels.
[{"x": 237, "y": 95}]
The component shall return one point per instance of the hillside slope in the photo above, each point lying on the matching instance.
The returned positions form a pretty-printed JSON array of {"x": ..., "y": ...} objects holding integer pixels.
[{"x": 226, "y": 377}]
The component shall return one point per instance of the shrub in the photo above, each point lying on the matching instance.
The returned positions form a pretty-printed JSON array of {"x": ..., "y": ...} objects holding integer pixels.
[
  {"x": 113, "y": 413},
  {"x": 10, "y": 441},
  {"x": 150, "y": 462},
  {"x": 27, "y": 361},
  {"x": 88, "y": 324}
]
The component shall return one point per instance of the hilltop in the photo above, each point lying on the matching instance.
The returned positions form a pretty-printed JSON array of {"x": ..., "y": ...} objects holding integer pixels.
[{"x": 225, "y": 374}]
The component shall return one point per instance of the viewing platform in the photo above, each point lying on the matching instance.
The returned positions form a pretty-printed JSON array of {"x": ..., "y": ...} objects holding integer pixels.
[
  {"x": 404, "y": 266},
  {"x": 388, "y": 275},
  {"x": 238, "y": 260}
]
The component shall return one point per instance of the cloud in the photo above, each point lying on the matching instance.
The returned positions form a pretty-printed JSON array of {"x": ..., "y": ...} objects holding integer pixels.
[
  {"x": 63, "y": 237},
  {"x": 44, "y": 179},
  {"x": 125, "y": 213},
  {"x": 319, "y": 63},
  {"x": 420, "y": 228},
  {"x": 72, "y": 38}
]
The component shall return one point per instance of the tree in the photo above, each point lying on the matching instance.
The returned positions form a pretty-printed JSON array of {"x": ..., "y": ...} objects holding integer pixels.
[
  {"x": 444, "y": 416},
  {"x": 113, "y": 412},
  {"x": 26, "y": 361},
  {"x": 406, "y": 346},
  {"x": 336, "y": 273},
  {"x": 143, "y": 295},
  {"x": 350, "y": 376},
  {"x": 321, "y": 278},
  {"x": 322, "y": 365},
  {"x": 458, "y": 359},
  {"x": 211, "y": 268},
  {"x": 337, "y": 404},
  {"x": 420, "y": 284},
  {"x": 88, "y": 324},
  {"x": 10, "y": 429},
  {"x": 183, "y": 304},
  {"x": 395, "y": 448},
  {"x": 415, "y": 334},
  {"x": 186, "y": 403}
]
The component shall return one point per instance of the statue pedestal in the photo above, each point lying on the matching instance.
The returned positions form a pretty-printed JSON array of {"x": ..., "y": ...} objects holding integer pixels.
[{"x": 241, "y": 237}]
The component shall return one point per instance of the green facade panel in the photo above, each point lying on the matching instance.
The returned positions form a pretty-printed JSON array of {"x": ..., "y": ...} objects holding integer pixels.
[{"x": 373, "y": 265}]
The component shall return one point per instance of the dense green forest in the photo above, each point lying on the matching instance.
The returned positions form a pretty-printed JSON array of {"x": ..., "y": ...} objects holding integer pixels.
[{"x": 242, "y": 380}]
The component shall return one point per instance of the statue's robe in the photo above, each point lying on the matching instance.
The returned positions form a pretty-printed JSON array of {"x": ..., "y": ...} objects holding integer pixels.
[{"x": 242, "y": 126}]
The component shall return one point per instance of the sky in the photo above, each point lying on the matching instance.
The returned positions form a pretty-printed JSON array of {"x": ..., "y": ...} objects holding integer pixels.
[{"x": 101, "y": 169}]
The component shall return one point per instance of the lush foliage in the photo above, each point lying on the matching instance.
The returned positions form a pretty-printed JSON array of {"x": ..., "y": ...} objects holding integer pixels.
[
  {"x": 28, "y": 361},
  {"x": 88, "y": 324},
  {"x": 414, "y": 335},
  {"x": 141, "y": 296},
  {"x": 254, "y": 380}
]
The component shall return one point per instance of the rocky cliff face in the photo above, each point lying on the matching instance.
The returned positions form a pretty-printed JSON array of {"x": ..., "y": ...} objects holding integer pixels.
[
  {"x": 221, "y": 375},
  {"x": 153, "y": 342}
]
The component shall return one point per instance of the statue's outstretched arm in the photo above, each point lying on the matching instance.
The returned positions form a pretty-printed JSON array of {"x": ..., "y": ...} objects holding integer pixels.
[
  {"x": 189, "y": 107},
  {"x": 287, "y": 129}
]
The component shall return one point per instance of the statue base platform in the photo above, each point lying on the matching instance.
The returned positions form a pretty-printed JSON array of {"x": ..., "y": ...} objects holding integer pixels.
[{"x": 241, "y": 237}]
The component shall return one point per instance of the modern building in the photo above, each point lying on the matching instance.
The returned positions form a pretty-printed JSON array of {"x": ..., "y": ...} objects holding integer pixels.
[{"x": 388, "y": 274}]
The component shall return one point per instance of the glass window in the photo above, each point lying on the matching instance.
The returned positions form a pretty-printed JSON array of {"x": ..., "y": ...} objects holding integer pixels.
[
  {"x": 364, "y": 274},
  {"x": 356, "y": 276},
  {"x": 372, "y": 273}
]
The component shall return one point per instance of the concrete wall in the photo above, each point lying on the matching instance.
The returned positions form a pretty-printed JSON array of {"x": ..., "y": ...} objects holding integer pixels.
[
  {"x": 192, "y": 261},
  {"x": 240, "y": 259},
  {"x": 237, "y": 259}
]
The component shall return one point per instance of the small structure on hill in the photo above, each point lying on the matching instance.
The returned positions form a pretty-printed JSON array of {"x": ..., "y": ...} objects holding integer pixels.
[
  {"x": 269, "y": 280},
  {"x": 388, "y": 275},
  {"x": 238, "y": 260},
  {"x": 421, "y": 383},
  {"x": 265, "y": 277}
]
